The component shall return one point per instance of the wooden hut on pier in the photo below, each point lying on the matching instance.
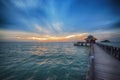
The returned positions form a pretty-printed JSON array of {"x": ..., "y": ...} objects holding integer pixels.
[{"x": 90, "y": 39}]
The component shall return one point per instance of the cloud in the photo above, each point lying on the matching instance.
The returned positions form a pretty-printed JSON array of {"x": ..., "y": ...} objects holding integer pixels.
[
  {"x": 115, "y": 7},
  {"x": 115, "y": 25},
  {"x": 41, "y": 29},
  {"x": 112, "y": 26},
  {"x": 51, "y": 28},
  {"x": 106, "y": 34},
  {"x": 27, "y": 4},
  {"x": 57, "y": 26},
  {"x": 57, "y": 18},
  {"x": 9, "y": 35}
]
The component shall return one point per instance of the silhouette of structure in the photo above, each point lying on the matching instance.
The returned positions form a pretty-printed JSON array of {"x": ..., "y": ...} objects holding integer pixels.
[
  {"x": 105, "y": 41},
  {"x": 104, "y": 60},
  {"x": 91, "y": 39}
]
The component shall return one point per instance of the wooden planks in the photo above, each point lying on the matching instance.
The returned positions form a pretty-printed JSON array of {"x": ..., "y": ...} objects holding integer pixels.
[
  {"x": 114, "y": 51},
  {"x": 106, "y": 67}
]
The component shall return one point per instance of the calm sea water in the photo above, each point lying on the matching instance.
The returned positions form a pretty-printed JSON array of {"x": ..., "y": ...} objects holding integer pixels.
[{"x": 42, "y": 61}]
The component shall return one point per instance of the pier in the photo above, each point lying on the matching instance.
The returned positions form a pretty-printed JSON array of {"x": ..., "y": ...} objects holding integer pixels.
[
  {"x": 81, "y": 44},
  {"x": 104, "y": 60},
  {"x": 104, "y": 63},
  {"x": 114, "y": 51}
]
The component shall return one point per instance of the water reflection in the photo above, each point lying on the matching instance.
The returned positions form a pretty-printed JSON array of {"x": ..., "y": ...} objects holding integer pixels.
[{"x": 43, "y": 61}]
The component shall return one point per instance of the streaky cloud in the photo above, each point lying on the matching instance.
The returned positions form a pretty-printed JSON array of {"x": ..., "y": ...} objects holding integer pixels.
[
  {"x": 59, "y": 17},
  {"x": 9, "y": 35}
]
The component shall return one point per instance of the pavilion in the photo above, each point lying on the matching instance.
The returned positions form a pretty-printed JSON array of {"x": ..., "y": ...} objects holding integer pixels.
[{"x": 90, "y": 39}]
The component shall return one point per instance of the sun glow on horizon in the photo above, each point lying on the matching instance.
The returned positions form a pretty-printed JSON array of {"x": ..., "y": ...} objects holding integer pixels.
[
  {"x": 56, "y": 39},
  {"x": 26, "y": 36}
]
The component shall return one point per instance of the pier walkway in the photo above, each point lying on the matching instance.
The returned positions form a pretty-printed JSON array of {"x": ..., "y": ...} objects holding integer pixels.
[{"x": 106, "y": 67}]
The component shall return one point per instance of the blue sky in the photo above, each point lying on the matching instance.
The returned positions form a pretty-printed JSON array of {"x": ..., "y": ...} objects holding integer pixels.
[{"x": 61, "y": 17}]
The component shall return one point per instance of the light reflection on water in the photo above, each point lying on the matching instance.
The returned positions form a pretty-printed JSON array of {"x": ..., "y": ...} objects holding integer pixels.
[{"x": 42, "y": 61}]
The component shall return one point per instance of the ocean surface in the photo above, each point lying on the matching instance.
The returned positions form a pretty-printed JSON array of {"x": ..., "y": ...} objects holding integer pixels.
[{"x": 42, "y": 61}]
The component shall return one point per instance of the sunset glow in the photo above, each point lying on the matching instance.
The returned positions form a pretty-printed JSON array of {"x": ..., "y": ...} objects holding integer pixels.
[
  {"x": 59, "y": 20},
  {"x": 24, "y": 36},
  {"x": 56, "y": 39}
]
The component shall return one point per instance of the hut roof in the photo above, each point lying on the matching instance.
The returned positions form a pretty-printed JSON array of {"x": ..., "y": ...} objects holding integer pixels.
[{"x": 90, "y": 37}]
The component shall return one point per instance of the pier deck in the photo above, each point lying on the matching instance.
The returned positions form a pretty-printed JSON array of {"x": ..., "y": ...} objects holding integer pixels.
[{"x": 106, "y": 67}]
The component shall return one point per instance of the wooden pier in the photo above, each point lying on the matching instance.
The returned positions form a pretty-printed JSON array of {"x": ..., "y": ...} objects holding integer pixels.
[
  {"x": 81, "y": 44},
  {"x": 114, "y": 51},
  {"x": 104, "y": 63}
]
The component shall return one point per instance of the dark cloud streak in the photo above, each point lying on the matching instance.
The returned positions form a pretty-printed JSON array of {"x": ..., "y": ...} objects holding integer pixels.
[
  {"x": 115, "y": 7},
  {"x": 115, "y": 25}
]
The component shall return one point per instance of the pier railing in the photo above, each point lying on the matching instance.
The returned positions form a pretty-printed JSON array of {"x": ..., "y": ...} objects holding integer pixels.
[
  {"x": 81, "y": 44},
  {"x": 114, "y": 51},
  {"x": 91, "y": 74}
]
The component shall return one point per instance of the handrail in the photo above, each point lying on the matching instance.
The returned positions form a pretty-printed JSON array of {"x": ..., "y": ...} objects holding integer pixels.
[
  {"x": 114, "y": 51},
  {"x": 81, "y": 44},
  {"x": 90, "y": 74}
]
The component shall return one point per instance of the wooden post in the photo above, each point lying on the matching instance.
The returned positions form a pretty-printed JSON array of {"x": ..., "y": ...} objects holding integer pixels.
[
  {"x": 91, "y": 64},
  {"x": 81, "y": 43},
  {"x": 119, "y": 54},
  {"x": 85, "y": 44},
  {"x": 111, "y": 50},
  {"x": 114, "y": 51}
]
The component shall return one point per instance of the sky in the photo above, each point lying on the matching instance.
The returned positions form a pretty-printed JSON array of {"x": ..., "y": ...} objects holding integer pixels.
[{"x": 59, "y": 20}]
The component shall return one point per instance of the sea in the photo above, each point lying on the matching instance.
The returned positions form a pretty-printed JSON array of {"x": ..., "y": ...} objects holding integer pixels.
[{"x": 43, "y": 61}]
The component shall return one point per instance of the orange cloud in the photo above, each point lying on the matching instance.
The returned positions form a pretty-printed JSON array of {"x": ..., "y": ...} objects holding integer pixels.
[
  {"x": 57, "y": 39},
  {"x": 25, "y": 36}
]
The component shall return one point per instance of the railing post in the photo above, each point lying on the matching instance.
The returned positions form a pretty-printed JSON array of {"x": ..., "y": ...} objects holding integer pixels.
[
  {"x": 91, "y": 64},
  {"x": 119, "y": 54},
  {"x": 114, "y": 51}
]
